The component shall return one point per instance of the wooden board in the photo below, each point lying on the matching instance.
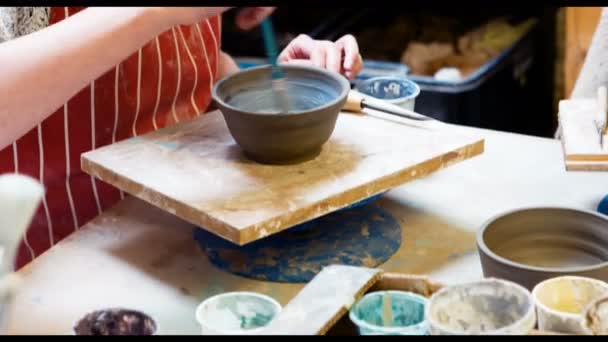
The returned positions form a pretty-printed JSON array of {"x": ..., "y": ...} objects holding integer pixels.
[
  {"x": 581, "y": 23},
  {"x": 580, "y": 135},
  {"x": 197, "y": 172},
  {"x": 323, "y": 301}
]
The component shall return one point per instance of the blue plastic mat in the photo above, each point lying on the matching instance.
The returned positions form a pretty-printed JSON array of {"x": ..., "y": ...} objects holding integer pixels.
[{"x": 366, "y": 236}]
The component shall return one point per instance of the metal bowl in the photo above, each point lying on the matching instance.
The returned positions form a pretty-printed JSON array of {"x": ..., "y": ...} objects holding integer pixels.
[
  {"x": 246, "y": 100},
  {"x": 530, "y": 245}
]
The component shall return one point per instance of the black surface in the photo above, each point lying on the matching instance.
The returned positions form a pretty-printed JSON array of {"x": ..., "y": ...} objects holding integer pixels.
[{"x": 517, "y": 104}]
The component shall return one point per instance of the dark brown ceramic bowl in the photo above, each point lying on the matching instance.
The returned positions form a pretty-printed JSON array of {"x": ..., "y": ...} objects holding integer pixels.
[
  {"x": 530, "y": 245},
  {"x": 246, "y": 101}
]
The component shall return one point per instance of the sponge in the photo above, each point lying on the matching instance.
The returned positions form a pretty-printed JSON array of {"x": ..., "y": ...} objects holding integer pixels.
[{"x": 603, "y": 206}]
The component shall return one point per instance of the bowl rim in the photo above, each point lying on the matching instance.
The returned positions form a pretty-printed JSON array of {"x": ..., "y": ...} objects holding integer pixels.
[
  {"x": 412, "y": 96},
  {"x": 531, "y": 312},
  {"x": 362, "y": 323},
  {"x": 483, "y": 247},
  {"x": 197, "y": 313},
  {"x": 337, "y": 77},
  {"x": 564, "y": 314}
]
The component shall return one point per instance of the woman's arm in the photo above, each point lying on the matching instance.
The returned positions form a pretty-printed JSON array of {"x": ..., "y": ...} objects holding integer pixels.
[{"x": 39, "y": 72}]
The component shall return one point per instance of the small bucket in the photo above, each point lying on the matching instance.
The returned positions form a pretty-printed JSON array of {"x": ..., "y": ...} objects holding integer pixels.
[
  {"x": 396, "y": 90},
  {"x": 390, "y": 313},
  {"x": 561, "y": 301},
  {"x": 236, "y": 313},
  {"x": 485, "y": 307}
]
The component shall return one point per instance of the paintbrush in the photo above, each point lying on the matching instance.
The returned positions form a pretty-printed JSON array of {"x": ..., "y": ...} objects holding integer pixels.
[
  {"x": 387, "y": 310},
  {"x": 279, "y": 84},
  {"x": 602, "y": 97}
]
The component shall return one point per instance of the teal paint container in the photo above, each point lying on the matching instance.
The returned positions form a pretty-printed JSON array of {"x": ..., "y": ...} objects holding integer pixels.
[{"x": 390, "y": 313}]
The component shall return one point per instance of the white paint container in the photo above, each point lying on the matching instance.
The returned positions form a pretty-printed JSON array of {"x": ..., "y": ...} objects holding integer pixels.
[
  {"x": 595, "y": 317},
  {"x": 486, "y": 307},
  {"x": 561, "y": 302},
  {"x": 236, "y": 313},
  {"x": 396, "y": 90}
]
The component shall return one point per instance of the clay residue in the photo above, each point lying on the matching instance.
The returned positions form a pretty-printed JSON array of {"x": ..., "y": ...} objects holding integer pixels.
[{"x": 596, "y": 318}]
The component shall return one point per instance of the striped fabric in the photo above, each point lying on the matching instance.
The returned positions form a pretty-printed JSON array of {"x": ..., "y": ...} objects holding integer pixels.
[{"x": 166, "y": 81}]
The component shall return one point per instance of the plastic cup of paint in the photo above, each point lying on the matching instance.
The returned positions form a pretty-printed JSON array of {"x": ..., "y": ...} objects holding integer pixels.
[
  {"x": 390, "y": 313},
  {"x": 561, "y": 301},
  {"x": 485, "y": 307},
  {"x": 595, "y": 317},
  {"x": 392, "y": 89},
  {"x": 236, "y": 313}
]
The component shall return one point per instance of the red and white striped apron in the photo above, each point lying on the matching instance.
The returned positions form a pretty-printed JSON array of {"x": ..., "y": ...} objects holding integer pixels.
[{"x": 166, "y": 81}]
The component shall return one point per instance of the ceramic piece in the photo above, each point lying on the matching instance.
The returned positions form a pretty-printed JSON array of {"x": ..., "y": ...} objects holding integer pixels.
[
  {"x": 530, "y": 245},
  {"x": 392, "y": 89},
  {"x": 267, "y": 135}
]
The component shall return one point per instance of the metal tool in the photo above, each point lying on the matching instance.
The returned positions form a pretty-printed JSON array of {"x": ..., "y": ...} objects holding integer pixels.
[{"x": 356, "y": 103}]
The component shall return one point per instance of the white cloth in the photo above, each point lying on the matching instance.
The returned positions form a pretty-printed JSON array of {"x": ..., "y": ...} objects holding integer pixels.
[
  {"x": 20, "y": 21},
  {"x": 594, "y": 72}
]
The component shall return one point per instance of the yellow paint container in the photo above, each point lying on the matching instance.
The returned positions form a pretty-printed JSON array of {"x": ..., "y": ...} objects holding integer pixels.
[{"x": 561, "y": 301}]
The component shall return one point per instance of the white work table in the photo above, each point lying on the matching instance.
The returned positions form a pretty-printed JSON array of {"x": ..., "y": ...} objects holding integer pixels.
[{"x": 138, "y": 257}]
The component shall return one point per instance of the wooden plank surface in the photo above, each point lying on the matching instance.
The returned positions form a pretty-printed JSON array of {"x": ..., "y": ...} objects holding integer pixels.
[
  {"x": 323, "y": 301},
  {"x": 581, "y": 23},
  {"x": 580, "y": 119},
  {"x": 196, "y": 171},
  {"x": 138, "y": 256}
]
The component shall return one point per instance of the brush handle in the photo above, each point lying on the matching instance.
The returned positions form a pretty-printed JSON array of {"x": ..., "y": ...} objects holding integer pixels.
[
  {"x": 272, "y": 51},
  {"x": 356, "y": 103}
]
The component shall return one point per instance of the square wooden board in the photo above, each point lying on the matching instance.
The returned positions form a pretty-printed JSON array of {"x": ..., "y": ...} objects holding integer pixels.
[{"x": 196, "y": 171}]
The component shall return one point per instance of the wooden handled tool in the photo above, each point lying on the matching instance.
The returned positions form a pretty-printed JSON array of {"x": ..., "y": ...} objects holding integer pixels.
[
  {"x": 356, "y": 103},
  {"x": 602, "y": 97}
]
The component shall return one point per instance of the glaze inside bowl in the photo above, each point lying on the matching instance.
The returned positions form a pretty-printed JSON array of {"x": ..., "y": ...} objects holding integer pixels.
[{"x": 303, "y": 96}]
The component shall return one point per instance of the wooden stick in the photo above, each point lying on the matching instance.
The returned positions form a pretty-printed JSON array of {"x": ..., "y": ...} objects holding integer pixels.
[{"x": 602, "y": 97}]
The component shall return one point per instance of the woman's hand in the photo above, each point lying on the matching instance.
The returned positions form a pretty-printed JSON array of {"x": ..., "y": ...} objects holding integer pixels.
[{"x": 341, "y": 56}]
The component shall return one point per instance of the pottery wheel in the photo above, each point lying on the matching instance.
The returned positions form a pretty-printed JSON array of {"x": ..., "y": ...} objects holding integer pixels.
[{"x": 365, "y": 235}]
